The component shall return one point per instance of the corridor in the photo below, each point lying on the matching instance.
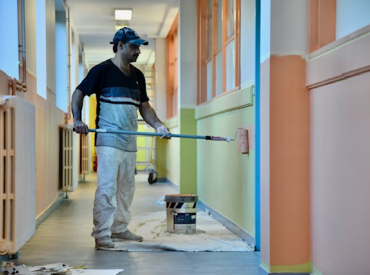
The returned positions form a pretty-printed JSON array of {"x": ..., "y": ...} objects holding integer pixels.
[{"x": 64, "y": 237}]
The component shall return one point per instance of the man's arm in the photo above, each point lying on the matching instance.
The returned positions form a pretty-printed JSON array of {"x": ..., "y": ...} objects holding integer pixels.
[
  {"x": 77, "y": 102},
  {"x": 151, "y": 118}
]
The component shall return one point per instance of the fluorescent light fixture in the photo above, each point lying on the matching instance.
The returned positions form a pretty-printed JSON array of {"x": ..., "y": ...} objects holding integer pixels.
[{"x": 123, "y": 14}]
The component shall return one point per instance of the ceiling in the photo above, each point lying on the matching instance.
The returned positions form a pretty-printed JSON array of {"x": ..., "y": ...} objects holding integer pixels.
[{"x": 94, "y": 22}]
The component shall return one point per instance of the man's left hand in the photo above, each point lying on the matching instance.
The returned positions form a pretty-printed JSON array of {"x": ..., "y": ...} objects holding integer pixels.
[{"x": 163, "y": 130}]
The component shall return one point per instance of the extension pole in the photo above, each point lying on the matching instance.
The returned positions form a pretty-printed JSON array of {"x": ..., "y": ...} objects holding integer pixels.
[{"x": 160, "y": 135}]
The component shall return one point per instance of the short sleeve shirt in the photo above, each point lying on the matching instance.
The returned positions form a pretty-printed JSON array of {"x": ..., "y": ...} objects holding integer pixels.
[{"x": 118, "y": 98}]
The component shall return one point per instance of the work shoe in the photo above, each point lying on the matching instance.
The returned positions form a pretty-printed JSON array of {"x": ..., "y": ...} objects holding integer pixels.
[
  {"x": 127, "y": 235},
  {"x": 104, "y": 242}
]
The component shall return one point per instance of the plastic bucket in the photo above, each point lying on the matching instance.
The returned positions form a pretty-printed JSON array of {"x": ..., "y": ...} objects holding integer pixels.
[{"x": 181, "y": 213}]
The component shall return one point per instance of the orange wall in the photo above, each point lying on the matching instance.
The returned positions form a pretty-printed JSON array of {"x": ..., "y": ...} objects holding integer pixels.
[
  {"x": 289, "y": 161},
  {"x": 285, "y": 192}
]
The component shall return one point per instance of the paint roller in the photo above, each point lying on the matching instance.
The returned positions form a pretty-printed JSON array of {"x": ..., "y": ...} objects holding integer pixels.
[{"x": 214, "y": 138}]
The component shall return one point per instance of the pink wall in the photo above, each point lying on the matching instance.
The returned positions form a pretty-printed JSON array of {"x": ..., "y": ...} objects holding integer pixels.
[
  {"x": 340, "y": 161},
  {"x": 48, "y": 120},
  {"x": 339, "y": 78}
]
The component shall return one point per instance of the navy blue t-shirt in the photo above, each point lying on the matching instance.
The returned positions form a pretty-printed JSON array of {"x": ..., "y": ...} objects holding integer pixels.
[{"x": 118, "y": 98}]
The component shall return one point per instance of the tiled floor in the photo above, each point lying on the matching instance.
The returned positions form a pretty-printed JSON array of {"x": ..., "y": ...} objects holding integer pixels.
[{"x": 64, "y": 237}]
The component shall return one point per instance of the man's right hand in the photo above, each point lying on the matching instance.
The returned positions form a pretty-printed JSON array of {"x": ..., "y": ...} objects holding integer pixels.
[{"x": 80, "y": 127}]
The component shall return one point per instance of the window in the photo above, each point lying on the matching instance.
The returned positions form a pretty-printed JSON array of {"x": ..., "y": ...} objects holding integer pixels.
[
  {"x": 218, "y": 48},
  {"x": 172, "y": 67},
  {"x": 41, "y": 48},
  {"x": 9, "y": 60}
]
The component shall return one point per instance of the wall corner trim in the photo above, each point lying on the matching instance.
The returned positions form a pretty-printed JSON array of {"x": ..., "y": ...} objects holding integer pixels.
[{"x": 301, "y": 269}]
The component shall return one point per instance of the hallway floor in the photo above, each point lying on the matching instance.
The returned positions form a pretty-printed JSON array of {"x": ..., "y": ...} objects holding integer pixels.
[{"x": 64, "y": 237}]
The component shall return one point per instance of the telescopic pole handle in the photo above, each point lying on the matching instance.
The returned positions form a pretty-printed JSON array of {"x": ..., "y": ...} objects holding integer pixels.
[{"x": 214, "y": 138}]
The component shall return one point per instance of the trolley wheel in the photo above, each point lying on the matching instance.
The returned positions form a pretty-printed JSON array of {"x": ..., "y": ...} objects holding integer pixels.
[{"x": 152, "y": 177}]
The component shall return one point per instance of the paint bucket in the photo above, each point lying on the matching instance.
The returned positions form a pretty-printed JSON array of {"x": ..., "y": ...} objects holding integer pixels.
[{"x": 181, "y": 213}]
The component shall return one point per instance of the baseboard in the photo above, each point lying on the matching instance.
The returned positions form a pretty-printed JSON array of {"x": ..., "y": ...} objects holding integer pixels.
[
  {"x": 229, "y": 224},
  {"x": 262, "y": 271},
  {"x": 50, "y": 210},
  {"x": 165, "y": 180}
]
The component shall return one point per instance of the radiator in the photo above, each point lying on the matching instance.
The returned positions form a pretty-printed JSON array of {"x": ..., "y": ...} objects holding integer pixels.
[
  {"x": 85, "y": 155},
  {"x": 17, "y": 173},
  {"x": 69, "y": 165}
]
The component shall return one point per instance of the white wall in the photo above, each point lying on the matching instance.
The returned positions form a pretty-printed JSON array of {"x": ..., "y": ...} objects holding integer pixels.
[
  {"x": 187, "y": 55},
  {"x": 351, "y": 16},
  {"x": 289, "y": 28},
  {"x": 30, "y": 36}
]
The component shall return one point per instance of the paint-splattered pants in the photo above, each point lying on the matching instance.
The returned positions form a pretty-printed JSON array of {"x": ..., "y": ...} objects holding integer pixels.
[{"x": 115, "y": 191}]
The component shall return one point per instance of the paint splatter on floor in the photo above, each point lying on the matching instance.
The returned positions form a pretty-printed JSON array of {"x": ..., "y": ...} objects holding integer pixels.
[{"x": 210, "y": 235}]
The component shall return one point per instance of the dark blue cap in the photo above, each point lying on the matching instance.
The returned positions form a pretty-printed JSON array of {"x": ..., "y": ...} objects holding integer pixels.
[{"x": 128, "y": 35}]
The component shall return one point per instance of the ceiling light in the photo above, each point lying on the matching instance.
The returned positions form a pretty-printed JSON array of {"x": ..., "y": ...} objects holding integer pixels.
[{"x": 123, "y": 14}]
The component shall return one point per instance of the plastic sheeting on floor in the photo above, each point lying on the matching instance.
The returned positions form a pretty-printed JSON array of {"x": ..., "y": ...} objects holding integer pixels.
[
  {"x": 210, "y": 235},
  {"x": 59, "y": 268}
]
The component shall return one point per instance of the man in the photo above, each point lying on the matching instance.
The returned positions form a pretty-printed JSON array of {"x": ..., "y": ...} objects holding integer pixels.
[{"x": 120, "y": 91}]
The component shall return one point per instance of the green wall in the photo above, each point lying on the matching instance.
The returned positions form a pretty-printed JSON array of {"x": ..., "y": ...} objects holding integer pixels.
[
  {"x": 222, "y": 177},
  {"x": 188, "y": 152},
  {"x": 225, "y": 177},
  {"x": 172, "y": 153}
]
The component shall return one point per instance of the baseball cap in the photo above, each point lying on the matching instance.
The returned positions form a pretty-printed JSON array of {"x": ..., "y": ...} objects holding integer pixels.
[{"x": 128, "y": 35}]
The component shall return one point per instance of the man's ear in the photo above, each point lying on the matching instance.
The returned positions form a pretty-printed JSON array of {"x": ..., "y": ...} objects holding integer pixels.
[{"x": 120, "y": 45}]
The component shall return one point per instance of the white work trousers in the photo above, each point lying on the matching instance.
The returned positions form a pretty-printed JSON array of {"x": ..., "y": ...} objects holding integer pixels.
[{"x": 115, "y": 191}]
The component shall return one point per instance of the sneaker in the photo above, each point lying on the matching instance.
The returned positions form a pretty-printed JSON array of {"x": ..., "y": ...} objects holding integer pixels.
[
  {"x": 104, "y": 242},
  {"x": 127, "y": 235}
]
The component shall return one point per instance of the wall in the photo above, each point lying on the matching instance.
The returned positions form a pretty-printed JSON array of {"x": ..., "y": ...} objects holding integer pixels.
[
  {"x": 339, "y": 79},
  {"x": 173, "y": 160},
  {"x": 226, "y": 177},
  {"x": 48, "y": 116},
  {"x": 48, "y": 120},
  {"x": 285, "y": 122}
]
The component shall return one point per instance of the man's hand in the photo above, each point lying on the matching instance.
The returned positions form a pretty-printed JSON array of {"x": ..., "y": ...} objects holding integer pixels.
[
  {"x": 80, "y": 127},
  {"x": 163, "y": 130},
  {"x": 77, "y": 101}
]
